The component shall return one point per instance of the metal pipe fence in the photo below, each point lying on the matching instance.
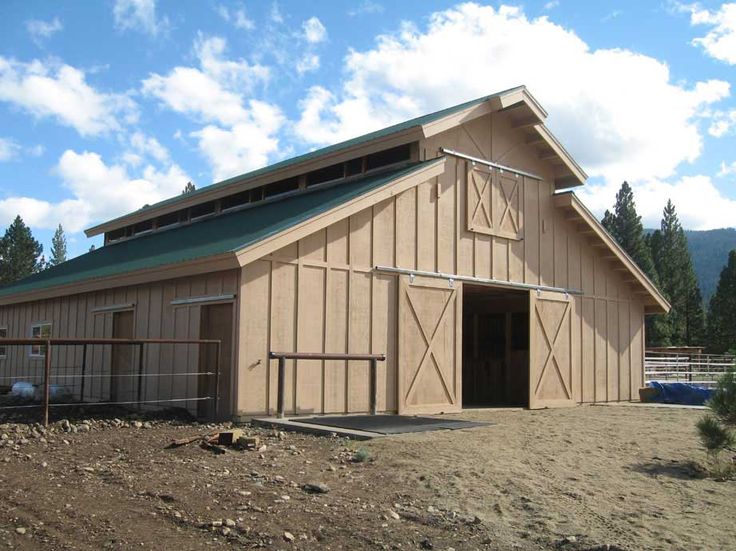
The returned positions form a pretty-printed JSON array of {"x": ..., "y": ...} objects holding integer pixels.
[
  {"x": 696, "y": 369},
  {"x": 93, "y": 381},
  {"x": 281, "y": 374}
]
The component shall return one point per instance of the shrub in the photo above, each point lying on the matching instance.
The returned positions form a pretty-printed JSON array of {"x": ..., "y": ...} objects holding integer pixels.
[{"x": 716, "y": 429}]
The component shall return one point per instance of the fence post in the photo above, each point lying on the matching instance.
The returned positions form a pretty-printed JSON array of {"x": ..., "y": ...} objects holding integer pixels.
[
  {"x": 280, "y": 388},
  {"x": 84, "y": 372},
  {"x": 140, "y": 374},
  {"x": 217, "y": 378},
  {"x": 46, "y": 383},
  {"x": 374, "y": 386}
]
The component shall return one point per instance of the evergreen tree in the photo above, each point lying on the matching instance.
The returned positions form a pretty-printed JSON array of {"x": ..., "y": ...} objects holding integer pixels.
[
  {"x": 722, "y": 314},
  {"x": 685, "y": 323},
  {"x": 58, "y": 247},
  {"x": 190, "y": 187},
  {"x": 20, "y": 253},
  {"x": 624, "y": 224}
]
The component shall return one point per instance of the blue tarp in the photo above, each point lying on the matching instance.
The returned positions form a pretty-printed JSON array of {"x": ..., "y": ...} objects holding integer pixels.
[{"x": 680, "y": 393}]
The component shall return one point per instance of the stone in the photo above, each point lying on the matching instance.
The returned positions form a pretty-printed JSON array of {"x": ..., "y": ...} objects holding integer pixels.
[
  {"x": 137, "y": 424},
  {"x": 570, "y": 539},
  {"x": 20, "y": 530},
  {"x": 230, "y": 523},
  {"x": 315, "y": 488},
  {"x": 394, "y": 515},
  {"x": 216, "y": 523},
  {"x": 288, "y": 536}
]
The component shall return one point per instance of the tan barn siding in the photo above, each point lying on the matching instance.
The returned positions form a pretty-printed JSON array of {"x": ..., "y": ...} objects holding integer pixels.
[
  {"x": 320, "y": 295},
  {"x": 154, "y": 317}
]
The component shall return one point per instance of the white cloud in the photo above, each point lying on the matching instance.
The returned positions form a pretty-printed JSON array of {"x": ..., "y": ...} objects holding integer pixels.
[
  {"x": 366, "y": 7},
  {"x": 552, "y": 4},
  {"x": 244, "y": 146},
  {"x": 214, "y": 91},
  {"x": 9, "y": 149},
  {"x": 61, "y": 92},
  {"x": 99, "y": 191},
  {"x": 238, "y": 18},
  {"x": 699, "y": 203},
  {"x": 139, "y": 15},
  {"x": 615, "y": 129},
  {"x": 727, "y": 169},
  {"x": 308, "y": 62},
  {"x": 40, "y": 30},
  {"x": 720, "y": 41},
  {"x": 276, "y": 15},
  {"x": 722, "y": 123},
  {"x": 149, "y": 146},
  {"x": 314, "y": 30}
]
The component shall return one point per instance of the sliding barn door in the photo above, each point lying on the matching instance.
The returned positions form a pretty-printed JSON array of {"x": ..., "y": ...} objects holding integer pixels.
[
  {"x": 430, "y": 339},
  {"x": 550, "y": 354}
]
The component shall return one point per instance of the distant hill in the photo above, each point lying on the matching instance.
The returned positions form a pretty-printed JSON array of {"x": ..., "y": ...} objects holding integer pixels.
[{"x": 709, "y": 250}]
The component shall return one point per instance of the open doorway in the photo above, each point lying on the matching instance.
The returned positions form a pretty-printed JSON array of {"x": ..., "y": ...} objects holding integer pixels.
[{"x": 495, "y": 347}]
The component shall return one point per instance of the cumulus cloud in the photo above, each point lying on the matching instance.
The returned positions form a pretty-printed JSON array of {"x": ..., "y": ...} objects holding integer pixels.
[
  {"x": 722, "y": 123},
  {"x": 700, "y": 204},
  {"x": 237, "y": 17},
  {"x": 720, "y": 41},
  {"x": 244, "y": 146},
  {"x": 241, "y": 132},
  {"x": 61, "y": 92},
  {"x": 9, "y": 149},
  {"x": 314, "y": 30},
  {"x": 98, "y": 191},
  {"x": 40, "y": 30},
  {"x": 308, "y": 62},
  {"x": 139, "y": 15},
  {"x": 212, "y": 92},
  {"x": 615, "y": 129},
  {"x": 366, "y": 7}
]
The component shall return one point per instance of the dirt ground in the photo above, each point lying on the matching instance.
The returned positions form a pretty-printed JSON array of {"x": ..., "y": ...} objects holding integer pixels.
[{"x": 591, "y": 477}]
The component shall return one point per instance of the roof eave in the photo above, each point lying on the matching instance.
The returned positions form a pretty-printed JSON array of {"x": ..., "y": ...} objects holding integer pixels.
[{"x": 656, "y": 303}]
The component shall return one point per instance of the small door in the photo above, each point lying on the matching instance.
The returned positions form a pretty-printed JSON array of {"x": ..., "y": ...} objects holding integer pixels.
[
  {"x": 123, "y": 383},
  {"x": 494, "y": 202},
  {"x": 216, "y": 322},
  {"x": 550, "y": 354},
  {"x": 430, "y": 346}
]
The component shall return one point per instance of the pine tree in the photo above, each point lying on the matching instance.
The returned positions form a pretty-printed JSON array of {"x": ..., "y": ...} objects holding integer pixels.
[
  {"x": 190, "y": 187},
  {"x": 685, "y": 323},
  {"x": 722, "y": 313},
  {"x": 58, "y": 247},
  {"x": 624, "y": 224},
  {"x": 20, "y": 253}
]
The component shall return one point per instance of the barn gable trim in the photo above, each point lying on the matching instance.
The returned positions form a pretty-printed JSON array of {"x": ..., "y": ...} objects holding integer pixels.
[{"x": 655, "y": 303}]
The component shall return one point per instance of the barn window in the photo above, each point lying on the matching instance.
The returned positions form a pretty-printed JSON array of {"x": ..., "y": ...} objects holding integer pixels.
[
  {"x": 387, "y": 157},
  {"x": 40, "y": 330},
  {"x": 327, "y": 174},
  {"x": 494, "y": 200},
  {"x": 235, "y": 201},
  {"x": 282, "y": 186},
  {"x": 3, "y": 348},
  {"x": 143, "y": 227},
  {"x": 115, "y": 235},
  {"x": 199, "y": 211},
  {"x": 168, "y": 219}
]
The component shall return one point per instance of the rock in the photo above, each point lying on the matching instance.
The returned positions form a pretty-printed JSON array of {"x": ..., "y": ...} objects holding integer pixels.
[
  {"x": 426, "y": 544},
  {"x": 216, "y": 523},
  {"x": 66, "y": 426},
  {"x": 394, "y": 515},
  {"x": 83, "y": 428},
  {"x": 288, "y": 536},
  {"x": 570, "y": 539},
  {"x": 20, "y": 530},
  {"x": 315, "y": 488},
  {"x": 147, "y": 425},
  {"x": 137, "y": 424},
  {"x": 230, "y": 523}
]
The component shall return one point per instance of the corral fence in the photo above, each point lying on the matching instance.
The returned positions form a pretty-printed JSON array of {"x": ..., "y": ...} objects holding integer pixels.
[
  {"x": 696, "y": 369},
  {"x": 50, "y": 373}
]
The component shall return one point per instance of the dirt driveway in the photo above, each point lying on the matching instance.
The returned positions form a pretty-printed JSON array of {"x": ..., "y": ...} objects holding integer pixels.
[{"x": 591, "y": 477}]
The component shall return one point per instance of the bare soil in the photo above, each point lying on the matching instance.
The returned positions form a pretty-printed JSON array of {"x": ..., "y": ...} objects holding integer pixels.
[{"x": 591, "y": 477}]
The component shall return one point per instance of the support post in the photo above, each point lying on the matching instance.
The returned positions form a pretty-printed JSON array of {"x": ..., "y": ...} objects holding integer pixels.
[
  {"x": 140, "y": 374},
  {"x": 84, "y": 372},
  {"x": 46, "y": 383},
  {"x": 280, "y": 388},
  {"x": 374, "y": 386},
  {"x": 218, "y": 352}
]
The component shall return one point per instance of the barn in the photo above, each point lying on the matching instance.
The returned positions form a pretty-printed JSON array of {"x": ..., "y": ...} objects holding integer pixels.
[{"x": 452, "y": 243}]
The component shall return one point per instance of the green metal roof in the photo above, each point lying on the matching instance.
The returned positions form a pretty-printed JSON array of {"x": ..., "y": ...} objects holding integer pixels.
[
  {"x": 419, "y": 121},
  {"x": 220, "y": 234}
]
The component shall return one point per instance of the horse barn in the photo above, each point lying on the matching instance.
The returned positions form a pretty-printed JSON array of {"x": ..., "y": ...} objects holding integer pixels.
[{"x": 451, "y": 243}]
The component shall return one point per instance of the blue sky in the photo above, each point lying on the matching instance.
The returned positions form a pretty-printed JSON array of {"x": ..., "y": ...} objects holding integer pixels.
[{"x": 106, "y": 106}]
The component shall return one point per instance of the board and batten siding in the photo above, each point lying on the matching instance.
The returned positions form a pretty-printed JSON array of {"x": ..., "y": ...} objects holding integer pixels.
[
  {"x": 321, "y": 294},
  {"x": 75, "y": 316}
]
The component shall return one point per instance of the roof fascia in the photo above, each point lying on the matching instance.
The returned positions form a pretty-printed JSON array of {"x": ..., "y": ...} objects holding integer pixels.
[
  {"x": 217, "y": 263},
  {"x": 563, "y": 180},
  {"x": 218, "y": 192},
  {"x": 393, "y": 187},
  {"x": 570, "y": 200}
]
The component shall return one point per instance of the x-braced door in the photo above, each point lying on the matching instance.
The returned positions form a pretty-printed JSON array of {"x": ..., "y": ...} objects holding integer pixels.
[
  {"x": 430, "y": 339},
  {"x": 550, "y": 354}
]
